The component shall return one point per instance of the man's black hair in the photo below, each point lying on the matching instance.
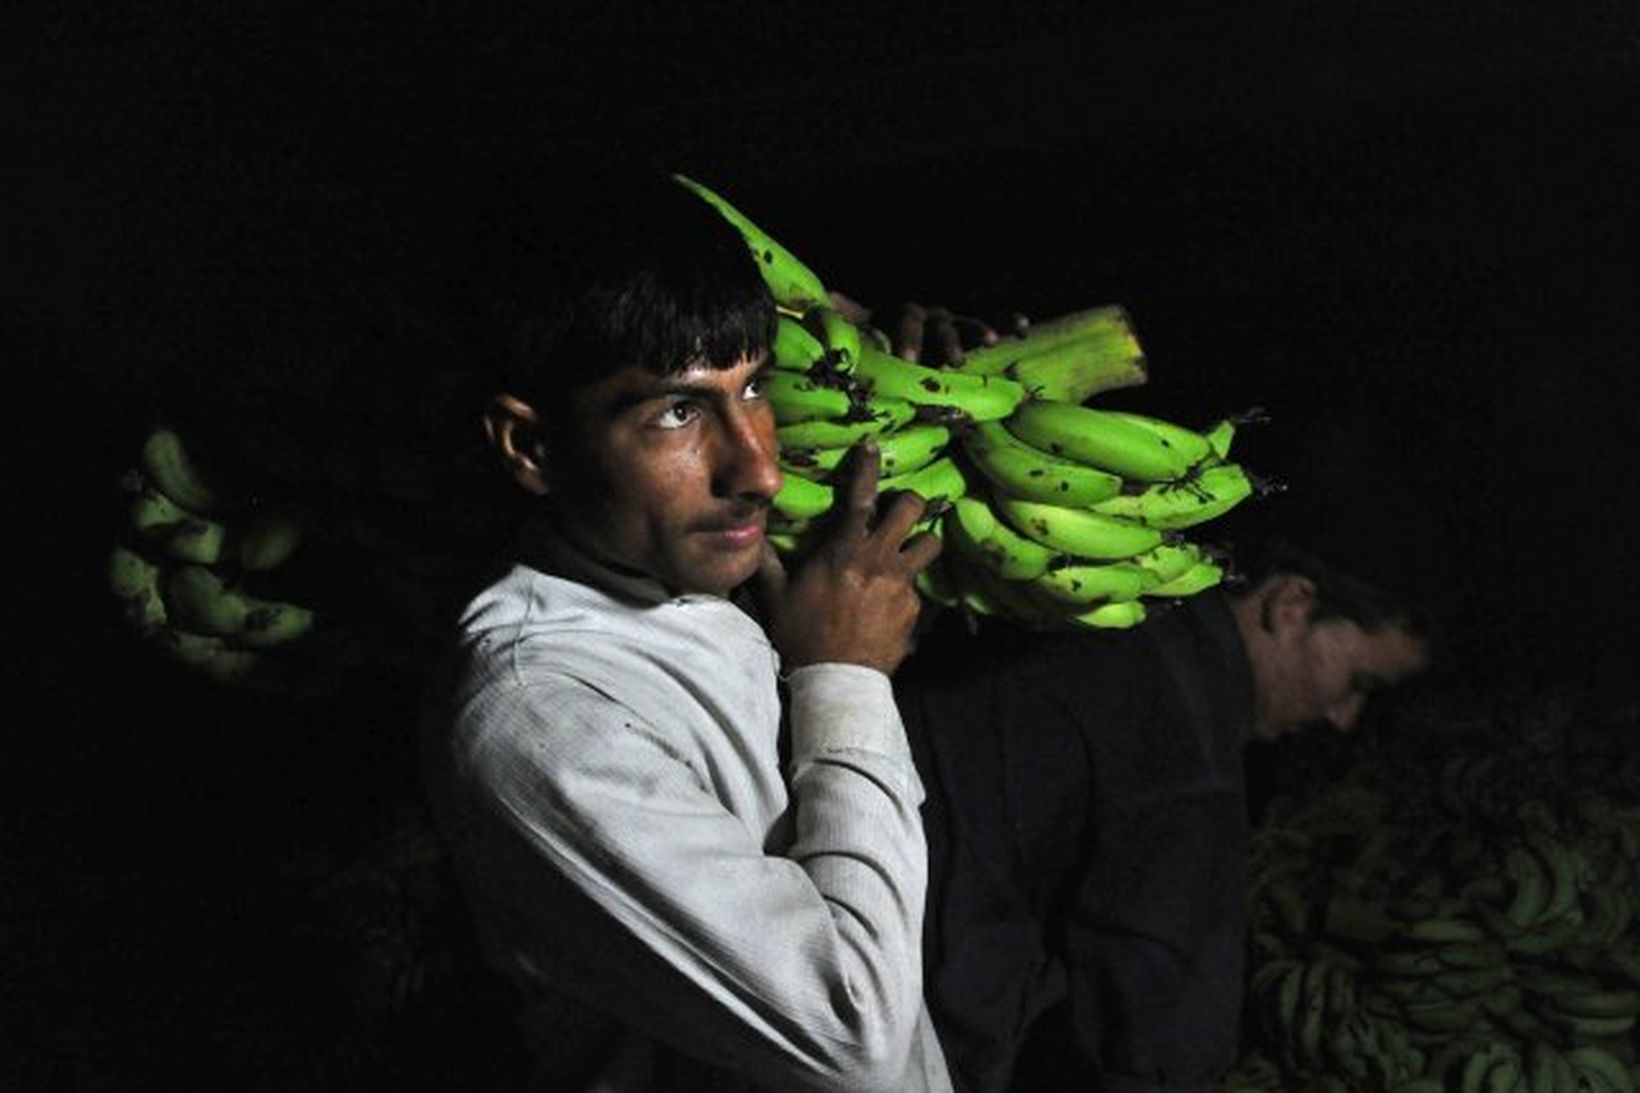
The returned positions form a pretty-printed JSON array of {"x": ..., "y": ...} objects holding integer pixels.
[
  {"x": 1365, "y": 579},
  {"x": 627, "y": 272}
]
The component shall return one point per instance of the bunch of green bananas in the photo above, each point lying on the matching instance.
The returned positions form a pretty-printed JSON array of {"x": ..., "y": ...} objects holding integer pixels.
[
  {"x": 1055, "y": 513},
  {"x": 181, "y": 571},
  {"x": 1494, "y": 933}
]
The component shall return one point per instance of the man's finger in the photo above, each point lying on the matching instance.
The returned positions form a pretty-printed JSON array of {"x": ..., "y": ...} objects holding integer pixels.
[
  {"x": 860, "y": 494},
  {"x": 920, "y": 550},
  {"x": 908, "y": 332},
  {"x": 770, "y": 580},
  {"x": 900, "y": 514}
]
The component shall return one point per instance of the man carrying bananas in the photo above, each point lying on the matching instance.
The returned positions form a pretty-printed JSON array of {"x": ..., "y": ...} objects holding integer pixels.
[
  {"x": 1088, "y": 818},
  {"x": 689, "y": 890}
]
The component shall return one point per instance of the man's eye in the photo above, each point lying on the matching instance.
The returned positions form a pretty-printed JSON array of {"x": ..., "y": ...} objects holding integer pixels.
[
  {"x": 755, "y": 388},
  {"x": 677, "y": 415}
]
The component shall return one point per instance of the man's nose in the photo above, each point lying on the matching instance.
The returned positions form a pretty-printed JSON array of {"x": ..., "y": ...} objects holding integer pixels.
[{"x": 748, "y": 464}]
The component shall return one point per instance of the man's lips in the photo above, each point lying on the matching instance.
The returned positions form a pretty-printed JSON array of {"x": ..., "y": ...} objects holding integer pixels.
[{"x": 739, "y": 529}]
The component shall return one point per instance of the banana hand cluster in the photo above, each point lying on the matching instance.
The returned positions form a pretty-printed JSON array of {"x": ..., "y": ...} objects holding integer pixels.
[
  {"x": 1480, "y": 916},
  {"x": 1058, "y": 513},
  {"x": 181, "y": 571}
]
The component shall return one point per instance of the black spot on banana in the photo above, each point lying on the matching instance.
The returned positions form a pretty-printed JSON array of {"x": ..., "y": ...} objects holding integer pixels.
[
  {"x": 1106, "y": 439},
  {"x": 1078, "y": 532},
  {"x": 1020, "y": 470},
  {"x": 976, "y": 397},
  {"x": 874, "y": 417}
]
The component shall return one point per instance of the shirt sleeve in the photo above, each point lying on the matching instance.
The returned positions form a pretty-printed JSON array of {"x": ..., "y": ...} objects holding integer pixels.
[{"x": 619, "y": 876}]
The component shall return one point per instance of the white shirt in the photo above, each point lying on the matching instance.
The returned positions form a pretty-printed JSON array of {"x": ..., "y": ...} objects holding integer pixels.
[{"x": 637, "y": 844}]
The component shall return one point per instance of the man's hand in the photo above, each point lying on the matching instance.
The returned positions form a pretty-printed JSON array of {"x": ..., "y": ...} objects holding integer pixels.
[
  {"x": 852, "y": 600},
  {"x": 934, "y": 336}
]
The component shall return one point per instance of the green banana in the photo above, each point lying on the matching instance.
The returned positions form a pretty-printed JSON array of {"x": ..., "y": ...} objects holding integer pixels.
[
  {"x": 1443, "y": 930},
  {"x": 1116, "y": 615},
  {"x": 1198, "y": 578},
  {"x": 136, "y": 580},
  {"x": 1075, "y": 373},
  {"x": 1185, "y": 502},
  {"x": 166, "y": 463},
  {"x": 1078, "y": 532},
  {"x": 794, "y": 348},
  {"x": 899, "y": 451},
  {"x": 1594, "y": 1063},
  {"x": 1020, "y": 470},
  {"x": 939, "y": 479},
  {"x": 877, "y": 416},
  {"x": 1087, "y": 586},
  {"x": 199, "y": 601},
  {"x": 801, "y": 499},
  {"x": 797, "y": 396},
  {"x": 974, "y": 530},
  {"x": 1106, "y": 329},
  {"x": 1168, "y": 561},
  {"x": 842, "y": 338},
  {"x": 934, "y": 583},
  {"x": 1099, "y": 439},
  {"x": 269, "y": 623},
  {"x": 269, "y": 542},
  {"x": 792, "y": 284},
  {"x": 208, "y": 654},
  {"x": 1222, "y": 433},
  {"x": 1530, "y": 876},
  {"x": 976, "y": 397},
  {"x": 1195, "y": 445}
]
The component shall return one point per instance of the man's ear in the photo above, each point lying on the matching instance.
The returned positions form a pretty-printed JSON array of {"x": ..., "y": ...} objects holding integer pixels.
[
  {"x": 517, "y": 434},
  {"x": 1286, "y": 603}
]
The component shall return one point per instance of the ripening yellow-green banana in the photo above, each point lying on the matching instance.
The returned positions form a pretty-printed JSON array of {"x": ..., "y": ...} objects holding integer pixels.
[
  {"x": 973, "y": 530},
  {"x": 798, "y": 396},
  {"x": 876, "y": 416},
  {"x": 976, "y": 397},
  {"x": 1020, "y": 470},
  {"x": 1088, "y": 585},
  {"x": 1104, "y": 329},
  {"x": 1192, "y": 500},
  {"x": 792, "y": 284},
  {"x": 1081, "y": 533},
  {"x": 1100, "y": 439},
  {"x": 198, "y": 600},
  {"x": 168, "y": 466},
  {"x": 1167, "y": 561},
  {"x": 1075, "y": 372}
]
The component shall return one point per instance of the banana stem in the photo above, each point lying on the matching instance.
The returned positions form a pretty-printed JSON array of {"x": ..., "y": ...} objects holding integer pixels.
[{"x": 1104, "y": 326}]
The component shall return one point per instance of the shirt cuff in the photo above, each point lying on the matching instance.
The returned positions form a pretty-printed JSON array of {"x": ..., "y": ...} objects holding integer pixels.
[{"x": 844, "y": 707}]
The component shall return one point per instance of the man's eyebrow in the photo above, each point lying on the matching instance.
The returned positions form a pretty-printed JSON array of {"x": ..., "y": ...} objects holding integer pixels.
[{"x": 674, "y": 386}]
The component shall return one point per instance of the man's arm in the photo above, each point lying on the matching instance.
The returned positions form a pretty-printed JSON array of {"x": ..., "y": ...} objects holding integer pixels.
[{"x": 801, "y": 965}]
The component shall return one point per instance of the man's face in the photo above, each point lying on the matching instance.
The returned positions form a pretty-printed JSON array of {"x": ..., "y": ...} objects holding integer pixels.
[
  {"x": 672, "y": 476},
  {"x": 1307, "y": 672}
]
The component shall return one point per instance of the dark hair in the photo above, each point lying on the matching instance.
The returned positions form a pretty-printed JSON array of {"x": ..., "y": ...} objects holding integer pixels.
[
  {"x": 1338, "y": 594},
  {"x": 639, "y": 272}
]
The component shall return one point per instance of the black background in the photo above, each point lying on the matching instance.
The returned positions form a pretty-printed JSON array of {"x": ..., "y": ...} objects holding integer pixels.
[{"x": 1407, "y": 230}]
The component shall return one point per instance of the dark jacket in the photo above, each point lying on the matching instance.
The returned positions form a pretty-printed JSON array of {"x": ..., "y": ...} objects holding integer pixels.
[{"x": 1087, "y": 822}]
